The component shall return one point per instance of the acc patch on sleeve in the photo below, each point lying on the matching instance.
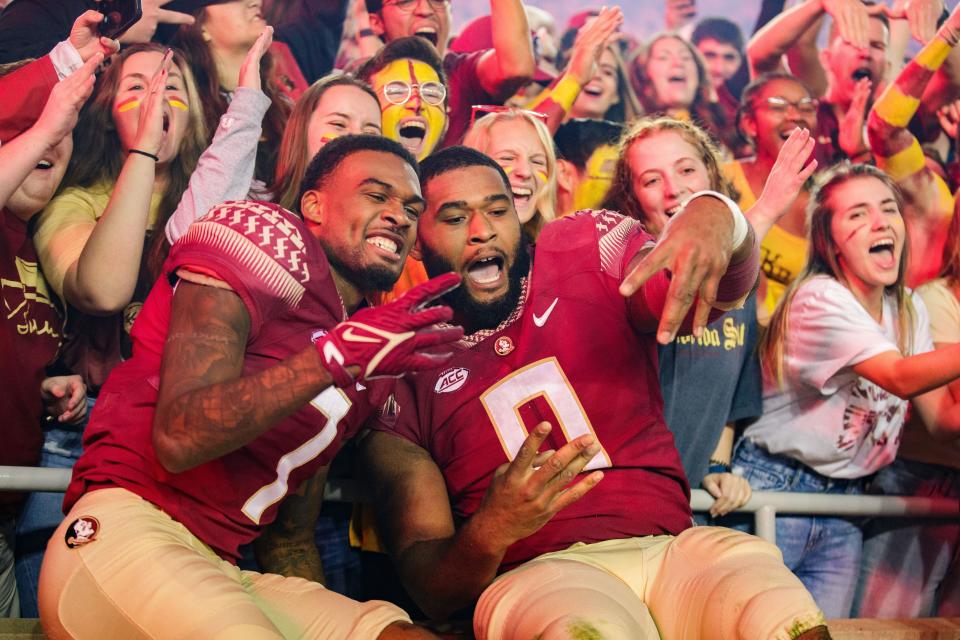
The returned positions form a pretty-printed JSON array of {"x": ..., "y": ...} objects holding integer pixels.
[{"x": 82, "y": 531}]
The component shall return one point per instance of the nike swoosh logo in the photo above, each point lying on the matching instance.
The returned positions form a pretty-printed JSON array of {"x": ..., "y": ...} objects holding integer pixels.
[
  {"x": 355, "y": 337},
  {"x": 542, "y": 320}
]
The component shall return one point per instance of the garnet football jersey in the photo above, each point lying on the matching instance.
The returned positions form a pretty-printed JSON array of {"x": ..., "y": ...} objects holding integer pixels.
[
  {"x": 272, "y": 261},
  {"x": 571, "y": 357}
]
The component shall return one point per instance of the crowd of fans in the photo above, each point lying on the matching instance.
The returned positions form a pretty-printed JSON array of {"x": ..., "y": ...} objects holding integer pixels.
[{"x": 837, "y": 373}]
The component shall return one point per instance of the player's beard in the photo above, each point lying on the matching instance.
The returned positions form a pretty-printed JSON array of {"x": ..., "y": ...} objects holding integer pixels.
[
  {"x": 472, "y": 313},
  {"x": 366, "y": 279}
]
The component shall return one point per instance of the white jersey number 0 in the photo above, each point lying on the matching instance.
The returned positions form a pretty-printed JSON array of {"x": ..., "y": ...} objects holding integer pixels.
[{"x": 542, "y": 378}]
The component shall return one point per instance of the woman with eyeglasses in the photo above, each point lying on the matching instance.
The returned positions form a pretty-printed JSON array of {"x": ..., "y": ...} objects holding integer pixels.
[
  {"x": 773, "y": 106},
  {"x": 520, "y": 142}
]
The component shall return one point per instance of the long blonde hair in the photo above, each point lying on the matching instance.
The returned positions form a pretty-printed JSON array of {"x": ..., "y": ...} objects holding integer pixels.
[
  {"x": 478, "y": 137},
  {"x": 621, "y": 197},
  {"x": 822, "y": 260}
]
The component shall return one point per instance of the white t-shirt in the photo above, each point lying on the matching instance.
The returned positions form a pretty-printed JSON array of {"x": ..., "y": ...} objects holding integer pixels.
[{"x": 825, "y": 415}]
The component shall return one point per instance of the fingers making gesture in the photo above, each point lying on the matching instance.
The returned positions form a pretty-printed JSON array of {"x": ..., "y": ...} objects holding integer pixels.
[
  {"x": 695, "y": 247},
  {"x": 528, "y": 491}
]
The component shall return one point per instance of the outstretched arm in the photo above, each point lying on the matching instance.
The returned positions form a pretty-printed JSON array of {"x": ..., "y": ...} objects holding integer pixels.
[
  {"x": 510, "y": 63},
  {"x": 445, "y": 568},
  {"x": 707, "y": 265},
  {"x": 910, "y": 376}
]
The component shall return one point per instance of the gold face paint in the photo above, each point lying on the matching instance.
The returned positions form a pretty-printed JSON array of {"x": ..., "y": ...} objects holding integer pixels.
[
  {"x": 598, "y": 176},
  {"x": 422, "y": 124},
  {"x": 128, "y": 105},
  {"x": 177, "y": 103}
]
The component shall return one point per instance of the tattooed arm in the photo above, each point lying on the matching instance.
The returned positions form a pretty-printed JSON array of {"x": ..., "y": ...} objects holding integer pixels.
[
  {"x": 287, "y": 546},
  {"x": 206, "y": 409}
]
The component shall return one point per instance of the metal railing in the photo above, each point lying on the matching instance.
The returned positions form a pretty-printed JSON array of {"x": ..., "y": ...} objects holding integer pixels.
[{"x": 764, "y": 505}]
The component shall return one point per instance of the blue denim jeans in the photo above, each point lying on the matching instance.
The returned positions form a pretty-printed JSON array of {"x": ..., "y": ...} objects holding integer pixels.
[
  {"x": 911, "y": 568},
  {"x": 823, "y": 552},
  {"x": 43, "y": 511}
]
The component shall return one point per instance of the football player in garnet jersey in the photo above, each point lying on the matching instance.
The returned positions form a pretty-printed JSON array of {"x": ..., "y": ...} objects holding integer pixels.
[
  {"x": 473, "y": 480},
  {"x": 246, "y": 378}
]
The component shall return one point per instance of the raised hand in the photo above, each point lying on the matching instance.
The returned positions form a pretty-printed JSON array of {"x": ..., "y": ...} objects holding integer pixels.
[
  {"x": 852, "y": 19},
  {"x": 590, "y": 43},
  {"x": 731, "y": 492},
  {"x": 851, "y": 125},
  {"x": 922, "y": 16},
  {"x": 787, "y": 177},
  {"x": 250, "y": 70},
  {"x": 65, "y": 398},
  {"x": 86, "y": 39},
  {"x": 949, "y": 118},
  {"x": 392, "y": 339},
  {"x": 696, "y": 247},
  {"x": 60, "y": 114},
  {"x": 150, "y": 127},
  {"x": 527, "y": 492},
  {"x": 153, "y": 14}
]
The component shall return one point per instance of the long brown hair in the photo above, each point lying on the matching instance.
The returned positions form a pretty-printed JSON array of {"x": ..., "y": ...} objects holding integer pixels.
[
  {"x": 704, "y": 110},
  {"x": 292, "y": 159},
  {"x": 822, "y": 260},
  {"x": 214, "y": 99},
  {"x": 98, "y": 156},
  {"x": 621, "y": 197},
  {"x": 628, "y": 108}
]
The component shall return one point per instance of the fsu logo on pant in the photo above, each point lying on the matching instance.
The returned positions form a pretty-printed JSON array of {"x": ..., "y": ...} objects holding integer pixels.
[{"x": 81, "y": 531}]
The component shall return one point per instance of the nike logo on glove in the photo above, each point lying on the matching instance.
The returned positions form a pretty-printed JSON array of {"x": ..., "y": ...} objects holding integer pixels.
[
  {"x": 353, "y": 336},
  {"x": 542, "y": 320}
]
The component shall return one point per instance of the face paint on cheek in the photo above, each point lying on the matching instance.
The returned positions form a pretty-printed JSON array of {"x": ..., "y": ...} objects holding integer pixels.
[
  {"x": 507, "y": 168},
  {"x": 128, "y": 105},
  {"x": 854, "y": 232},
  {"x": 541, "y": 176},
  {"x": 328, "y": 137},
  {"x": 177, "y": 103}
]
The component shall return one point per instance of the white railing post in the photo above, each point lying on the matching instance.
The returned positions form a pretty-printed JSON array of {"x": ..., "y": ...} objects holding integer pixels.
[{"x": 765, "y": 523}]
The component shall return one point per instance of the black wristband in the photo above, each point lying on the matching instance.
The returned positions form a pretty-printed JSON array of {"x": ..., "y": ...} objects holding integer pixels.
[{"x": 144, "y": 153}]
